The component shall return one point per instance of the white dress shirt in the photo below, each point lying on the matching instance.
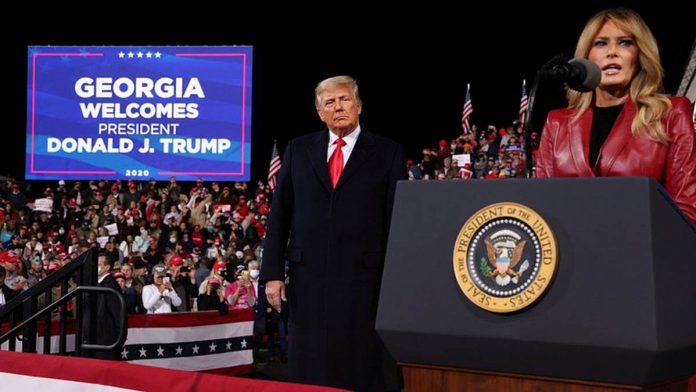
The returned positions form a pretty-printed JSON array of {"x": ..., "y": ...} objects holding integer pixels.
[{"x": 350, "y": 140}]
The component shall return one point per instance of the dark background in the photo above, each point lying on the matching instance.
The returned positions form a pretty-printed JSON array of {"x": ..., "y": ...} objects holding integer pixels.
[{"x": 412, "y": 65}]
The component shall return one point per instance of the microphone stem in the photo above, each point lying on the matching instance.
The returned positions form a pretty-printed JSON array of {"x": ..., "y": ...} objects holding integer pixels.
[
  {"x": 541, "y": 73},
  {"x": 527, "y": 126}
]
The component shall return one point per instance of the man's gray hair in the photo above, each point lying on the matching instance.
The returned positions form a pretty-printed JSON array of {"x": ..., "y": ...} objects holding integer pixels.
[{"x": 342, "y": 80}]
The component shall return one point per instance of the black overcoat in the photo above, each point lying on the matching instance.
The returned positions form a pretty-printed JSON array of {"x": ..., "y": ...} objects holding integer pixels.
[{"x": 335, "y": 242}]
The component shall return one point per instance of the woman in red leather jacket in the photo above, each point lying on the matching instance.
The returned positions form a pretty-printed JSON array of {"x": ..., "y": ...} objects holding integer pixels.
[{"x": 626, "y": 126}]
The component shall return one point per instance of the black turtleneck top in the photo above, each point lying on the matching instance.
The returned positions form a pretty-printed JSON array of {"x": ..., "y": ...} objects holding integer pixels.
[{"x": 603, "y": 120}]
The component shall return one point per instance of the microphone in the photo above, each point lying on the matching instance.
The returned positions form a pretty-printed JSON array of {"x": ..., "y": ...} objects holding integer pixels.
[{"x": 578, "y": 74}]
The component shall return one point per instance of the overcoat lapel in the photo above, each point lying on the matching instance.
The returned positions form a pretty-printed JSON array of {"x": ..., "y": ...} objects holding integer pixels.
[
  {"x": 362, "y": 150},
  {"x": 317, "y": 157}
]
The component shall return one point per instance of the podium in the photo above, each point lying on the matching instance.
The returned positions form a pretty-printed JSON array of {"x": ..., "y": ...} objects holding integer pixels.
[{"x": 619, "y": 314}]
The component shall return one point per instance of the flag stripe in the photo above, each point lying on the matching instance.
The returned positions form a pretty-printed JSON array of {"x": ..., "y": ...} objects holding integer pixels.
[
  {"x": 524, "y": 102},
  {"x": 19, "y": 382},
  {"x": 187, "y": 319},
  {"x": 173, "y": 335},
  {"x": 204, "y": 362},
  {"x": 273, "y": 168},
  {"x": 466, "y": 112},
  {"x": 69, "y": 344},
  {"x": 181, "y": 339},
  {"x": 126, "y": 375}
]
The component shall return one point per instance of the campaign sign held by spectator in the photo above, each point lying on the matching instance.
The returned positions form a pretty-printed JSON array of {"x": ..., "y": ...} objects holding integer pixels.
[{"x": 139, "y": 112}]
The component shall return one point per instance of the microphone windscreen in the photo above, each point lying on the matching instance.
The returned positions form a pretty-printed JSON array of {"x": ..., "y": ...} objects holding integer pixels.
[{"x": 589, "y": 76}]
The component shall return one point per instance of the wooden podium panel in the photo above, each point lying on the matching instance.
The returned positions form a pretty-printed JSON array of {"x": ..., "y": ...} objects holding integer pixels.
[{"x": 420, "y": 378}]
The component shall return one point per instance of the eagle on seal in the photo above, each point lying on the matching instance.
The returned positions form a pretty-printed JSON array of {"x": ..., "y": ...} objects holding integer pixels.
[{"x": 504, "y": 259}]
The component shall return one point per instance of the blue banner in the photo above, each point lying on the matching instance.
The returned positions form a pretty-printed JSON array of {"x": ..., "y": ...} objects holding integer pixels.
[{"x": 139, "y": 112}]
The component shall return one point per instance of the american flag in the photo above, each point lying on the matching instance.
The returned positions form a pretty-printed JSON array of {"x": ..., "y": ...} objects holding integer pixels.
[
  {"x": 197, "y": 341},
  {"x": 466, "y": 111},
  {"x": 274, "y": 167},
  {"x": 524, "y": 102}
]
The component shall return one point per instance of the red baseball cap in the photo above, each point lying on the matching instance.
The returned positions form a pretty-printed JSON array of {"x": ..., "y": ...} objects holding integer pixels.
[
  {"x": 176, "y": 261},
  {"x": 219, "y": 265}
]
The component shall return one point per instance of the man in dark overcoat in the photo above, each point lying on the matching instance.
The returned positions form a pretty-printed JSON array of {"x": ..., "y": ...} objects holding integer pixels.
[{"x": 330, "y": 219}]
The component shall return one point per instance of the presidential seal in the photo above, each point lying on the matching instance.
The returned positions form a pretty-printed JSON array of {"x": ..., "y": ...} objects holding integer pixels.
[{"x": 505, "y": 257}]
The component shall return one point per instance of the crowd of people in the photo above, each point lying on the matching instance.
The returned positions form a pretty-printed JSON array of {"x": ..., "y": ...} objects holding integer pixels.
[
  {"x": 488, "y": 154},
  {"x": 168, "y": 248}
]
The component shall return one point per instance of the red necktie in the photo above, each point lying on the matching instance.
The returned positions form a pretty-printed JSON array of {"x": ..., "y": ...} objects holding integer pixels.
[{"x": 336, "y": 162}]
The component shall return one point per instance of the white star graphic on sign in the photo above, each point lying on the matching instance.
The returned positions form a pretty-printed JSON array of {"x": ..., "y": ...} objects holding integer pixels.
[
  {"x": 143, "y": 352},
  {"x": 160, "y": 351},
  {"x": 158, "y": 54},
  {"x": 244, "y": 343},
  {"x": 124, "y": 353},
  {"x": 130, "y": 55},
  {"x": 228, "y": 346},
  {"x": 140, "y": 55},
  {"x": 121, "y": 55},
  {"x": 212, "y": 347},
  {"x": 195, "y": 349},
  {"x": 148, "y": 55},
  {"x": 179, "y": 350}
]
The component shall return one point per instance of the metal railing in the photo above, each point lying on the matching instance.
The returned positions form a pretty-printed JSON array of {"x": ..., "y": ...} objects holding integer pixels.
[{"x": 22, "y": 312}]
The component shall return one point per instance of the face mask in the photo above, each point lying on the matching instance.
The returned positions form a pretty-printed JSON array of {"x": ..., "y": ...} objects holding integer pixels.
[
  {"x": 254, "y": 274},
  {"x": 172, "y": 240},
  {"x": 61, "y": 231},
  {"x": 99, "y": 271}
]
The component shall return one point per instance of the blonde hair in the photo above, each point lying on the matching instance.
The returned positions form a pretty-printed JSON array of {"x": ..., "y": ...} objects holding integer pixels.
[
  {"x": 646, "y": 88},
  {"x": 342, "y": 80}
]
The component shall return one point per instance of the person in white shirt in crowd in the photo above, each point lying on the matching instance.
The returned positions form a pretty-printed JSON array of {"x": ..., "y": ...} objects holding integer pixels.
[
  {"x": 159, "y": 296},
  {"x": 128, "y": 248},
  {"x": 173, "y": 213},
  {"x": 216, "y": 249},
  {"x": 254, "y": 269},
  {"x": 142, "y": 241}
]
